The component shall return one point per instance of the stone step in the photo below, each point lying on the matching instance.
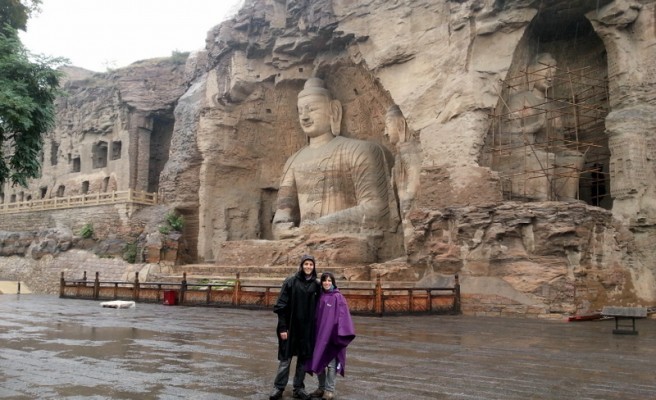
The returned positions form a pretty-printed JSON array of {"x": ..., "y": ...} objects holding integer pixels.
[
  {"x": 271, "y": 275},
  {"x": 245, "y": 271},
  {"x": 199, "y": 280}
]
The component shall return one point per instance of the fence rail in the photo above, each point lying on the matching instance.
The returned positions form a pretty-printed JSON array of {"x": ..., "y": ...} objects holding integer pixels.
[
  {"x": 371, "y": 299},
  {"x": 83, "y": 200}
]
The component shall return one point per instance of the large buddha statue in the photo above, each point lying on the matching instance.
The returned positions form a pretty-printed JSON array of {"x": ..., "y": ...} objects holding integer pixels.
[
  {"x": 334, "y": 184},
  {"x": 541, "y": 163}
]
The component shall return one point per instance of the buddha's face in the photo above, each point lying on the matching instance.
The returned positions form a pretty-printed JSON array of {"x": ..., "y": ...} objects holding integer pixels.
[
  {"x": 314, "y": 114},
  {"x": 545, "y": 69}
]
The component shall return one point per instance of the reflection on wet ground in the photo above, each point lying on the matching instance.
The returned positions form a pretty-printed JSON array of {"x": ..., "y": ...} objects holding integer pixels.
[{"x": 75, "y": 349}]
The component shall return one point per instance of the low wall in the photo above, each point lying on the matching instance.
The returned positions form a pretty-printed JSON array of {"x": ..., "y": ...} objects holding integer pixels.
[
  {"x": 49, "y": 255},
  {"x": 112, "y": 219},
  {"x": 43, "y": 275}
]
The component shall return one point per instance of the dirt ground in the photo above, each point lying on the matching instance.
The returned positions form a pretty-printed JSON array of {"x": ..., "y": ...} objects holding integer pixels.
[{"x": 55, "y": 348}]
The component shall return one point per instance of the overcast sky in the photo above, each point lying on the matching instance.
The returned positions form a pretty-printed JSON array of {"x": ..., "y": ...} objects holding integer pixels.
[{"x": 96, "y": 34}]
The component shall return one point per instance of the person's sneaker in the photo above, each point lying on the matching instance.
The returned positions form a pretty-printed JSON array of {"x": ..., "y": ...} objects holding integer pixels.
[
  {"x": 317, "y": 394},
  {"x": 276, "y": 394},
  {"x": 328, "y": 396},
  {"x": 301, "y": 394}
]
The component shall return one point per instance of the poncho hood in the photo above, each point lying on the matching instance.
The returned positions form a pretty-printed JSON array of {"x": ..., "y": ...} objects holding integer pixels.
[{"x": 306, "y": 257}]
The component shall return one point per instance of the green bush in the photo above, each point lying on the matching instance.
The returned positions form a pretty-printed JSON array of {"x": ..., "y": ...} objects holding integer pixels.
[
  {"x": 130, "y": 253},
  {"x": 87, "y": 231},
  {"x": 164, "y": 229},
  {"x": 175, "y": 221},
  {"x": 179, "y": 57}
]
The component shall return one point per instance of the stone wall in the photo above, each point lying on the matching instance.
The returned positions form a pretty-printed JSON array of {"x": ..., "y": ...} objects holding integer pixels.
[
  {"x": 119, "y": 221},
  {"x": 43, "y": 275}
]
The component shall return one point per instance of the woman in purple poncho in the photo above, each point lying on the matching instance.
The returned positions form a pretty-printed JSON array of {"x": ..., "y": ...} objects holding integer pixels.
[{"x": 334, "y": 331}]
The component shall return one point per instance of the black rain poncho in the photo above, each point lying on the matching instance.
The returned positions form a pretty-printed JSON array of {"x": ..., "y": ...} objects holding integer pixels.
[{"x": 296, "y": 308}]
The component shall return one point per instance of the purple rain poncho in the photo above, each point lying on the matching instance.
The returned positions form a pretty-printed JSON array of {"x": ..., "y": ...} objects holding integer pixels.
[{"x": 334, "y": 330}]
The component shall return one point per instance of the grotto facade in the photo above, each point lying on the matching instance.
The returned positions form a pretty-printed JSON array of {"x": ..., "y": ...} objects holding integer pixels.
[{"x": 517, "y": 138}]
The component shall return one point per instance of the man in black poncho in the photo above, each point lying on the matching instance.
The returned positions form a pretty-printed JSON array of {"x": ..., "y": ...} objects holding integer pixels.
[{"x": 296, "y": 307}]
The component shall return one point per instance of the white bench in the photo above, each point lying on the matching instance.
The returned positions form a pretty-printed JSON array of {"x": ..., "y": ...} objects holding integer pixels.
[{"x": 623, "y": 314}]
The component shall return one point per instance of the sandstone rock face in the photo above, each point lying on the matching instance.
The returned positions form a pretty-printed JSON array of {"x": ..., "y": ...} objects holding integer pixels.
[
  {"x": 447, "y": 66},
  {"x": 112, "y": 132},
  {"x": 451, "y": 67}
]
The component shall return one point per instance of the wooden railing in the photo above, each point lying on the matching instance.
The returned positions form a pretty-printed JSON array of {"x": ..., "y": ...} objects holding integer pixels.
[
  {"x": 83, "y": 200},
  {"x": 376, "y": 298}
]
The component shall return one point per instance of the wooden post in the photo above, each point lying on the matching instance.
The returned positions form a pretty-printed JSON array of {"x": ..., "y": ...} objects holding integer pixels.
[
  {"x": 410, "y": 301},
  {"x": 18, "y": 291},
  {"x": 96, "y": 286},
  {"x": 429, "y": 296},
  {"x": 456, "y": 294},
  {"x": 84, "y": 278},
  {"x": 62, "y": 284},
  {"x": 378, "y": 292},
  {"x": 235, "y": 292},
  {"x": 183, "y": 288},
  {"x": 209, "y": 293},
  {"x": 135, "y": 289}
]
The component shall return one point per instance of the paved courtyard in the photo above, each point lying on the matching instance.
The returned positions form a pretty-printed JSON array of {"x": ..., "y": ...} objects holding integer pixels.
[{"x": 74, "y": 349}]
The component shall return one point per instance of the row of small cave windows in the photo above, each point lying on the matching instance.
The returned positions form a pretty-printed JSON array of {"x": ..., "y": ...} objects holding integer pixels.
[
  {"x": 61, "y": 190},
  {"x": 99, "y": 155}
]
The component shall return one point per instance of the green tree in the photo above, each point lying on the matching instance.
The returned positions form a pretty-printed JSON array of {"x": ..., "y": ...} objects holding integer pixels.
[{"x": 28, "y": 88}]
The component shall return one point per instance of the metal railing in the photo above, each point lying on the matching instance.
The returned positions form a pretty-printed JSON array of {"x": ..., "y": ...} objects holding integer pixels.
[
  {"x": 83, "y": 200},
  {"x": 374, "y": 298}
]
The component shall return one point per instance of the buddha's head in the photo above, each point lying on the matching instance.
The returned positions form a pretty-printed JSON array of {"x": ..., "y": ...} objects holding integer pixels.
[
  {"x": 542, "y": 72},
  {"x": 318, "y": 112},
  {"x": 395, "y": 126}
]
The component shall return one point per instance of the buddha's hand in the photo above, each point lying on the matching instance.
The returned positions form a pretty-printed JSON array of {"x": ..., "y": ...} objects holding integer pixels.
[{"x": 285, "y": 230}]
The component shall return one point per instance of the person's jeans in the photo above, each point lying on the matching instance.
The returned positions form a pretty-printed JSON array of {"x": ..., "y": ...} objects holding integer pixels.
[
  {"x": 282, "y": 376},
  {"x": 327, "y": 377}
]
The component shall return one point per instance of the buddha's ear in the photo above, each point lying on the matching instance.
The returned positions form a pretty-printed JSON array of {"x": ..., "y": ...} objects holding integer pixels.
[{"x": 335, "y": 117}]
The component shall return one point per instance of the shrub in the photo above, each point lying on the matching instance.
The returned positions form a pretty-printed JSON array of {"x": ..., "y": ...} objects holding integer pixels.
[
  {"x": 87, "y": 231},
  {"x": 179, "y": 57},
  {"x": 175, "y": 221},
  {"x": 164, "y": 229},
  {"x": 130, "y": 253}
]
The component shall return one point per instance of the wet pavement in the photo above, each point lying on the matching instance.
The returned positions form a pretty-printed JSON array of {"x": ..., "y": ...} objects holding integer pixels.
[{"x": 53, "y": 348}]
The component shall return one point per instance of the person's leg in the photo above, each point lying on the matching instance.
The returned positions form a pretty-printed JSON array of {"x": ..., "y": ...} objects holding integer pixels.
[
  {"x": 299, "y": 374},
  {"x": 299, "y": 378},
  {"x": 282, "y": 375},
  {"x": 321, "y": 377},
  {"x": 322, "y": 380},
  {"x": 331, "y": 374}
]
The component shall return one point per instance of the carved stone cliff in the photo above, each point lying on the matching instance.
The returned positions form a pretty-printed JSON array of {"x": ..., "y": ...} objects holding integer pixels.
[
  {"x": 448, "y": 66},
  {"x": 542, "y": 205}
]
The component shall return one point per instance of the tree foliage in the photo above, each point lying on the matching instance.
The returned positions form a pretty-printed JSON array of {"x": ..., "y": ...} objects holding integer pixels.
[
  {"x": 28, "y": 87},
  {"x": 16, "y": 13}
]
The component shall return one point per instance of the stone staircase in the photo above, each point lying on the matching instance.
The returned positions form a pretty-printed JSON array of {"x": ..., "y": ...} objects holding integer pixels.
[{"x": 252, "y": 274}]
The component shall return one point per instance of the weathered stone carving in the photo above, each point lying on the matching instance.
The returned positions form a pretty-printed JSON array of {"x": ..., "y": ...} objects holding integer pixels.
[
  {"x": 335, "y": 183},
  {"x": 407, "y": 165},
  {"x": 534, "y": 155}
]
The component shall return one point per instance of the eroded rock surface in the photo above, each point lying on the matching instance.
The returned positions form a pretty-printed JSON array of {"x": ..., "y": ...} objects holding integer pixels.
[{"x": 450, "y": 66}]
